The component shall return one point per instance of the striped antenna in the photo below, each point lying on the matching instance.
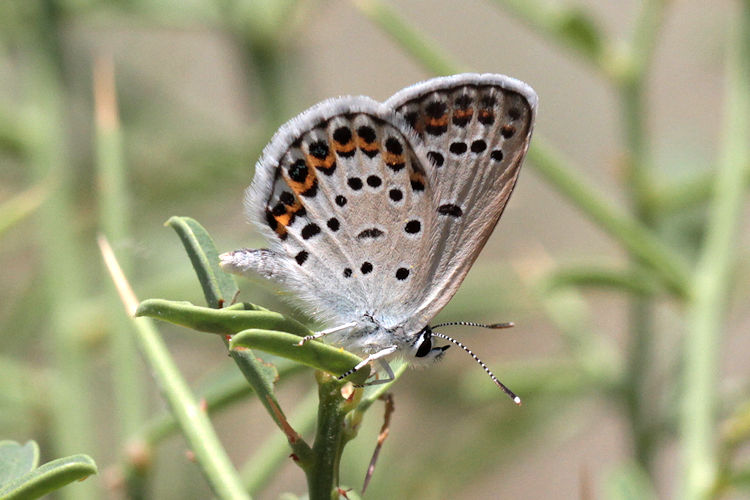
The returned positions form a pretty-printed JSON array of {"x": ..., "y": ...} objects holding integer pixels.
[
  {"x": 493, "y": 326},
  {"x": 502, "y": 386}
]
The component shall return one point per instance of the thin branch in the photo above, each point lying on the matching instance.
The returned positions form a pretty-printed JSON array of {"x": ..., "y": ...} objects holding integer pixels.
[{"x": 706, "y": 313}]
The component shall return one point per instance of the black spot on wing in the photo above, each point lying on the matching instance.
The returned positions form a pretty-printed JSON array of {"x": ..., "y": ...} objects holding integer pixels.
[
  {"x": 436, "y": 158},
  {"x": 370, "y": 233},
  {"x": 413, "y": 226},
  {"x": 319, "y": 149},
  {"x": 301, "y": 257},
  {"x": 374, "y": 181},
  {"x": 393, "y": 146},
  {"x": 310, "y": 230},
  {"x": 287, "y": 198},
  {"x": 478, "y": 146},
  {"x": 450, "y": 209},
  {"x": 298, "y": 171},
  {"x": 458, "y": 148}
]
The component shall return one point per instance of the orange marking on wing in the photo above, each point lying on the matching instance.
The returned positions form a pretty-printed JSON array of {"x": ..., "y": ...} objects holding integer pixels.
[
  {"x": 416, "y": 177},
  {"x": 301, "y": 187},
  {"x": 393, "y": 159},
  {"x": 324, "y": 164},
  {"x": 296, "y": 207},
  {"x": 344, "y": 148},
  {"x": 367, "y": 146},
  {"x": 284, "y": 219},
  {"x": 280, "y": 230},
  {"x": 462, "y": 114},
  {"x": 437, "y": 122}
]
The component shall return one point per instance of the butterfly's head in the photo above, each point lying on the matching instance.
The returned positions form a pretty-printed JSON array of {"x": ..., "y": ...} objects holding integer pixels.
[{"x": 422, "y": 348}]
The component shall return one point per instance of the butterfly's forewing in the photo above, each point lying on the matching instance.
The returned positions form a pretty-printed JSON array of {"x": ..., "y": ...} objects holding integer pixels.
[
  {"x": 475, "y": 130},
  {"x": 345, "y": 203}
]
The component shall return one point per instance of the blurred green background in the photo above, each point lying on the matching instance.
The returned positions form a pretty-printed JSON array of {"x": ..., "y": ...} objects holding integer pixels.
[{"x": 622, "y": 255}]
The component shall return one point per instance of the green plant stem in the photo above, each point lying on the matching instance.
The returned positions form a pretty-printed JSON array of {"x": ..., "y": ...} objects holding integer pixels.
[
  {"x": 127, "y": 374},
  {"x": 639, "y": 180},
  {"x": 633, "y": 106},
  {"x": 628, "y": 231},
  {"x": 635, "y": 388},
  {"x": 162, "y": 426},
  {"x": 706, "y": 313},
  {"x": 214, "y": 399},
  {"x": 323, "y": 472},
  {"x": 196, "y": 427},
  {"x": 195, "y": 424},
  {"x": 689, "y": 193},
  {"x": 417, "y": 44}
]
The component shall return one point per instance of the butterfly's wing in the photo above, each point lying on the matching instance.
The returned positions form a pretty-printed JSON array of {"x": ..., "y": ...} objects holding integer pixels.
[
  {"x": 341, "y": 194},
  {"x": 374, "y": 210},
  {"x": 476, "y": 131}
]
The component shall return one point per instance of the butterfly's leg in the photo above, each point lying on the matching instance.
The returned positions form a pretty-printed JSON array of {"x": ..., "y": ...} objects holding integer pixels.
[
  {"x": 387, "y": 368},
  {"x": 323, "y": 333},
  {"x": 372, "y": 357}
]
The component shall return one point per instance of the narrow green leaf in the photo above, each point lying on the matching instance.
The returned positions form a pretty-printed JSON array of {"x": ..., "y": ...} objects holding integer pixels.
[
  {"x": 222, "y": 321},
  {"x": 49, "y": 477},
  {"x": 17, "y": 459},
  {"x": 219, "y": 287},
  {"x": 578, "y": 29},
  {"x": 592, "y": 275},
  {"x": 21, "y": 206},
  {"x": 315, "y": 354},
  {"x": 570, "y": 26}
]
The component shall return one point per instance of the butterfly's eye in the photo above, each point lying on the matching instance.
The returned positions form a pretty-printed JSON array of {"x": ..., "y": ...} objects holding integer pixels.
[{"x": 423, "y": 344}]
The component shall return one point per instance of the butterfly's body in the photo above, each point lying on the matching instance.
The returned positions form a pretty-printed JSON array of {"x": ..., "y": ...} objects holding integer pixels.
[{"x": 376, "y": 211}]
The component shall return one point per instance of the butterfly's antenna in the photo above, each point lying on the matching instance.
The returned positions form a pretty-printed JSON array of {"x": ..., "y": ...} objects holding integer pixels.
[
  {"x": 507, "y": 391},
  {"x": 493, "y": 326}
]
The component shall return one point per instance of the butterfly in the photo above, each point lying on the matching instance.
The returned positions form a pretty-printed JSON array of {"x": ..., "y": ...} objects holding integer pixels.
[{"x": 374, "y": 212}]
